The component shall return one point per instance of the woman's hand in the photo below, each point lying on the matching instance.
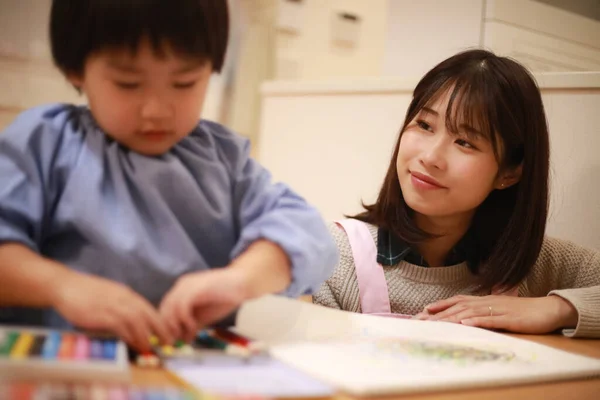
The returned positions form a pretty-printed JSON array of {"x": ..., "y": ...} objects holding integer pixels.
[{"x": 535, "y": 315}]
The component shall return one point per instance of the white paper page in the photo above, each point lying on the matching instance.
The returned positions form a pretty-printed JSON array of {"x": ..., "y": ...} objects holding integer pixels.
[
  {"x": 364, "y": 354},
  {"x": 396, "y": 365},
  {"x": 276, "y": 319}
]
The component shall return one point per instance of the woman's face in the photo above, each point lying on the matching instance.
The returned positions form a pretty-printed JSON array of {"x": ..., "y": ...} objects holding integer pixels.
[{"x": 442, "y": 173}]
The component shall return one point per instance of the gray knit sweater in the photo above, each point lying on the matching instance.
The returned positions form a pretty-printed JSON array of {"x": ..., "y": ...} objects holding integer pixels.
[{"x": 563, "y": 268}]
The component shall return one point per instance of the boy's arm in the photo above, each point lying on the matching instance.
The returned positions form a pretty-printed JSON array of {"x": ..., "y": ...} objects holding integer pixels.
[
  {"x": 264, "y": 268},
  {"x": 28, "y": 279},
  {"x": 274, "y": 213},
  {"x": 35, "y": 157},
  {"x": 27, "y": 147}
]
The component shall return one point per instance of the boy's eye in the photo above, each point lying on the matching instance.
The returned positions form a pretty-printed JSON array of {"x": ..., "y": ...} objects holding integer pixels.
[
  {"x": 464, "y": 143},
  {"x": 128, "y": 85},
  {"x": 424, "y": 125},
  {"x": 184, "y": 85}
]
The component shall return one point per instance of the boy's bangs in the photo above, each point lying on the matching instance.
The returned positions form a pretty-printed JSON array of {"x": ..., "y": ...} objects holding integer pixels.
[
  {"x": 196, "y": 29},
  {"x": 125, "y": 25}
]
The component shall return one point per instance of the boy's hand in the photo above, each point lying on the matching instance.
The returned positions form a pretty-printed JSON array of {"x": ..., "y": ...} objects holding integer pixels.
[
  {"x": 201, "y": 298},
  {"x": 98, "y": 304}
]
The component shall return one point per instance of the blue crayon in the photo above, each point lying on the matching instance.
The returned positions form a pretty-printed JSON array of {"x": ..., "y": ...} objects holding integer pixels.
[
  {"x": 96, "y": 349},
  {"x": 109, "y": 349},
  {"x": 51, "y": 346}
]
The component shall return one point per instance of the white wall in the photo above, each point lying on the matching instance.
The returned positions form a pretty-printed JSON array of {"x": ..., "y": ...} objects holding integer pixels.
[
  {"x": 27, "y": 76},
  {"x": 333, "y": 142},
  {"x": 423, "y": 33},
  {"x": 574, "y": 130},
  {"x": 328, "y": 148},
  {"x": 586, "y": 8},
  {"x": 23, "y": 28},
  {"x": 309, "y": 53},
  {"x": 544, "y": 38},
  {"x": 555, "y": 40}
]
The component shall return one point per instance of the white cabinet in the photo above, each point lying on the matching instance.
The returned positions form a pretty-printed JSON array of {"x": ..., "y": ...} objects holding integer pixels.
[
  {"x": 406, "y": 37},
  {"x": 542, "y": 37}
]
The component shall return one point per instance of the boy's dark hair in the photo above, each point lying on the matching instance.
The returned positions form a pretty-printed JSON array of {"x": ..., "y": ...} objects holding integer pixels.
[
  {"x": 196, "y": 28},
  {"x": 498, "y": 95}
]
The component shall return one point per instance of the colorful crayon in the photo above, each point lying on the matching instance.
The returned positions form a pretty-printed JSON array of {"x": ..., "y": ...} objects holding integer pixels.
[
  {"x": 206, "y": 340},
  {"x": 96, "y": 349},
  {"x": 109, "y": 349},
  {"x": 36, "y": 347},
  {"x": 9, "y": 341},
  {"x": 29, "y": 353},
  {"x": 21, "y": 347},
  {"x": 51, "y": 346},
  {"x": 231, "y": 337},
  {"x": 239, "y": 340},
  {"x": 67, "y": 346},
  {"x": 82, "y": 348},
  {"x": 33, "y": 391},
  {"x": 21, "y": 391}
]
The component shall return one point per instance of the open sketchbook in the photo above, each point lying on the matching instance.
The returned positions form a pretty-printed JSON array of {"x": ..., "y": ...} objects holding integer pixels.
[{"x": 365, "y": 355}]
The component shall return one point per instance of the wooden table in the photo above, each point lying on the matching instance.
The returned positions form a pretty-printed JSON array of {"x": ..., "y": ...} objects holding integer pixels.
[{"x": 563, "y": 390}]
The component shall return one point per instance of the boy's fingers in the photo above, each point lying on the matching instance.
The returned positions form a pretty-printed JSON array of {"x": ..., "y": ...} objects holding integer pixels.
[
  {"x": 161, "y": 331},
  {"x": 186, "y": 318},
  {"x": 141, "y": 334},
  {"x": 158, "y": 326},
  {"x": 168, "y": 316},
  {"x": 123, "y": 332},
  {"x": 139, "y": 325}
]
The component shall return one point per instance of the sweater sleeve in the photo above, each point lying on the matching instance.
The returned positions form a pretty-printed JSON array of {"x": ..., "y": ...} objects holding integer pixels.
[{"x": 572, "y": 272}]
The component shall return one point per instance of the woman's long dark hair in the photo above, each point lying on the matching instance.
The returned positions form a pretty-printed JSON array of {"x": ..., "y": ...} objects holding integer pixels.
[{"x": 499, "y": 96}]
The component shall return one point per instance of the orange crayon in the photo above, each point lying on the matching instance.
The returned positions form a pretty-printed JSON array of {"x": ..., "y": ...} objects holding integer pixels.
[{"x": 67, "y": 346}]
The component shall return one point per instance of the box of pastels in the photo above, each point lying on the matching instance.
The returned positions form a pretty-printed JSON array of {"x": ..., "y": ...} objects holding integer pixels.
[{"x": 44, "y": 354}]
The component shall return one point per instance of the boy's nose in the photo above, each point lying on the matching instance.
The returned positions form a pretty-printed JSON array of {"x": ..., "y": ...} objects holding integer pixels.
[{"x": 155, "y": 108}]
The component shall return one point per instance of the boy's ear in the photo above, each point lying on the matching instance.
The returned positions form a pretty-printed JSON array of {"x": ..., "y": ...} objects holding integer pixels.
[
  {"x": 75, "y": 79},
  {"x": 509, "y": 178}
]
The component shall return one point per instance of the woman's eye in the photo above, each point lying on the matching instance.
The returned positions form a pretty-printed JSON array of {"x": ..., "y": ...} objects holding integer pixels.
[
  {"x": 184, "y": 85},
  {"x": 424, "y": 125},
  {"x": 464, "y": 143},
  {"x": 128, "y": 85}
]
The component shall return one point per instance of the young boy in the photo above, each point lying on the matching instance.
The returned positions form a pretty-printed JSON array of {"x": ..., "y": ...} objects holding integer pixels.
[{"x": 129, "y": 215}]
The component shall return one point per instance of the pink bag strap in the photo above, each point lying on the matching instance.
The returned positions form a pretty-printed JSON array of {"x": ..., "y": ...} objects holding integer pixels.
[{"x": 372, "y": 286}]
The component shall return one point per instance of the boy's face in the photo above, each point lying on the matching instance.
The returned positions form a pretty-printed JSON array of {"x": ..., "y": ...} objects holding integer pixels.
[{"x": 145, "y": 102}]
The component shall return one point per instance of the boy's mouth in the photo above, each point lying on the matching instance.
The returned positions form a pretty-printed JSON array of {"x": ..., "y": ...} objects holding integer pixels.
[{"x": 155, "y": 135}]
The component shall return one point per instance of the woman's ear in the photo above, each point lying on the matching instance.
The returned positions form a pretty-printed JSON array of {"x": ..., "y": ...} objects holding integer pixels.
[{"x": 509, "y": 178}]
